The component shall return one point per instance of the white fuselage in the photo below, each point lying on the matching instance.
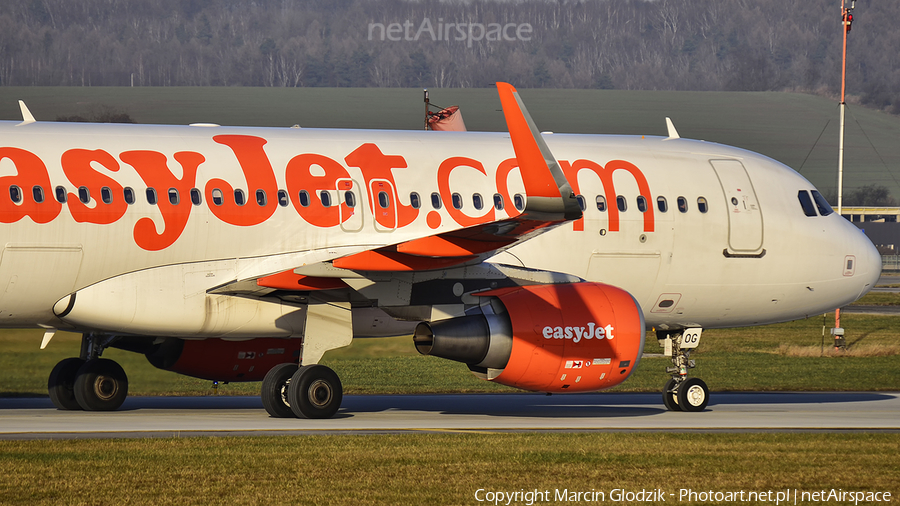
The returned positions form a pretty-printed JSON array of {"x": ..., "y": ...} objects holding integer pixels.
[{"x": 752, "y": 260}]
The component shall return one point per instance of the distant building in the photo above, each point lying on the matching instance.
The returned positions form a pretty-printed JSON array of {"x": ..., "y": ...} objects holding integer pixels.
[
  {"x": 874, "y": 214},
  {"x": 881, "y": 226}
]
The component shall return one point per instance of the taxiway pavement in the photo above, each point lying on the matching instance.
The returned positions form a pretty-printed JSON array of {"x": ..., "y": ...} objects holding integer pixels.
[{"x": 36, "y": 418}]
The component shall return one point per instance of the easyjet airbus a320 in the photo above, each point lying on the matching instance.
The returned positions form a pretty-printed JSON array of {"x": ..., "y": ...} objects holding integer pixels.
[{"x": 539, "y": 260}]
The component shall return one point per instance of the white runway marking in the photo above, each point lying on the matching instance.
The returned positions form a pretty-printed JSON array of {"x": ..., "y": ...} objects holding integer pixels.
[{"x": 185, "y": 416}]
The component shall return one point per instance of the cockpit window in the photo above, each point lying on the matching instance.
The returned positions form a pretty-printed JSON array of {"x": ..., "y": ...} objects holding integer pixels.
[
  {"x": 806, "y": 202},
  {"x": 824, "y": 208}
]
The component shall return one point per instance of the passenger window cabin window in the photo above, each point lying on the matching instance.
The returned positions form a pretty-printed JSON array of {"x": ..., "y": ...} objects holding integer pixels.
[
  {"x": 682, "y": 204},
  {"x": 436, "y": 200},
  {"x": 174, "y": 198},
  {"x": 350, "y": 198},
  {"x": 662, "y": 204},
  {"x": 601, "y": 203},
  {"x": 457, "y": 201},
  {"x": 621, "y": 203},
  {"x": 581, "y": 202},
  {"x": 823, "y": 205},
  {"x": 61, "y": 194},
  {"x": 217, "y": 197},
  {"x": 84, "y": 195},
  {"x": 702, "y": 205},
  {"x": 261, "y": 199},
  {"x": 128, "y": 195},
  {"x": 477, "y": 201},
  {"x": 106, "y": 195},
  {"x": 151, "y": 196},
  {"x": 239, "y": 197},
  {"x": 304, "y": 198},
  {"x": 38, "y": 193},
  {"x": 498, "y": 202},
  {"x": 196, "y": 196},
  {"x": 414, "y": 200},
  {"x": 15, "y": 194},
  {"x": 383, "y": 199},
  {"x": 325, "y": 197},
  {"x": 282, "y": 198},
  {"x": 519, "y": 201},
  {"x": 642, "y": 203}
]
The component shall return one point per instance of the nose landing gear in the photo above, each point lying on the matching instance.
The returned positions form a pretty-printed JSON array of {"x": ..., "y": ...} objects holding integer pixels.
[{"x": 680, "y": 392}]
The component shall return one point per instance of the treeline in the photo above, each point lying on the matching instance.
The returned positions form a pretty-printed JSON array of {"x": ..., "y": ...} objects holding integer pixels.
[{"x": 752, "y": 45}]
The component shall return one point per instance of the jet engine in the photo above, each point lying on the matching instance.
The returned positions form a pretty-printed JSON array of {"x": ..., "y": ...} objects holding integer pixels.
[
  {"x": 223, "y": 360},
  {"x": 573, "y": 337}
]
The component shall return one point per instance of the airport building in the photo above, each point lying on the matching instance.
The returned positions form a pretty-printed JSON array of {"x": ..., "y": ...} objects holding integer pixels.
[{"x": 882, "y": 226}]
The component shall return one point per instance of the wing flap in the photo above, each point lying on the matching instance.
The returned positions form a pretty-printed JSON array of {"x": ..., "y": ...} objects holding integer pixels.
[
  {"x": 450, "y": 245},
  {"x": 386, "y": 259},
  {"x": 288, "y": 280}
]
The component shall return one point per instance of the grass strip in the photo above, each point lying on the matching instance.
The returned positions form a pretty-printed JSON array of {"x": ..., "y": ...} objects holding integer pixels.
[{"x": 433, "y": 468}]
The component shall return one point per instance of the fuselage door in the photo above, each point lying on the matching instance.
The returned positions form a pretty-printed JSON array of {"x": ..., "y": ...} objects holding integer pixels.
[
  {"x": 745, "y": 220},
  {"x": 383, "y": 199}
]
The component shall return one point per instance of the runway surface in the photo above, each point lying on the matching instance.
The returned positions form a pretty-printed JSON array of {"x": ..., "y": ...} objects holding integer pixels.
[{"x": 202, "y": 416}]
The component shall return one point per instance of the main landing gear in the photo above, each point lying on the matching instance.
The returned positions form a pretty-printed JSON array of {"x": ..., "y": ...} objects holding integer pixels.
[
  {"x": 680, "y": 392},
  {"x": 88, "y": 382},
  {"x": 309, "y": 391}
]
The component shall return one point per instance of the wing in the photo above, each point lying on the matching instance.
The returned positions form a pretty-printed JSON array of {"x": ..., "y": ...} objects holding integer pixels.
[{"x": 549, "y": 203}]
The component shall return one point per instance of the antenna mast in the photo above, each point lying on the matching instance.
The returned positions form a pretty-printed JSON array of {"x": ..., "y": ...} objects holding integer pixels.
[{"x": 846, "y": 20}]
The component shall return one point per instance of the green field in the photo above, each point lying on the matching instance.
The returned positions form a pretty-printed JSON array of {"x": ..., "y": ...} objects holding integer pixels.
[
  {"x": 796, "y": 129},
  {"x": 438, "y": 468}
]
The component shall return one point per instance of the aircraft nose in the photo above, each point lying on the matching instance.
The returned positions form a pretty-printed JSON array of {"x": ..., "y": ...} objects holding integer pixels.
[{"x": 868, "y": 263}]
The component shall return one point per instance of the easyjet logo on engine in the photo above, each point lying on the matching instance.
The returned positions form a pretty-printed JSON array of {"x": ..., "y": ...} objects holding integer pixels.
[
  {"x": 576, "y": 334},
  {"x": 95, "y": 196}
]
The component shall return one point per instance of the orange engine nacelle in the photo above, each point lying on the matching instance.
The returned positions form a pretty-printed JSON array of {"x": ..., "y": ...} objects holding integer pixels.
[
  {"x": 575, "y": 337},
  {"x": 221, "y": 360}
]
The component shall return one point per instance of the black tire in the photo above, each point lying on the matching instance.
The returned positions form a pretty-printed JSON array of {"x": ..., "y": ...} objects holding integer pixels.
[
  {"x": 101, "y": 385},
  {"x": 61, "y": 384},
  {"x": 693, "y": 395},
  {"x": 275, "y": 391},
  {"x": 670, "y": 398},
  {"x": 315, "y": 392}
]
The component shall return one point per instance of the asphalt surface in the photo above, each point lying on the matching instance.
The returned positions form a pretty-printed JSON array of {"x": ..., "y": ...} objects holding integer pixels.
[{"x": 36, "y": 418}]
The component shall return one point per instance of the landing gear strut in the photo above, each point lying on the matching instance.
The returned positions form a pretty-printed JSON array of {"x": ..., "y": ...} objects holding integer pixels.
[
  {"x": 89, "y": 382},
  {"x": 310, "y": 390},
  {"x": 682, "y": 393}
]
